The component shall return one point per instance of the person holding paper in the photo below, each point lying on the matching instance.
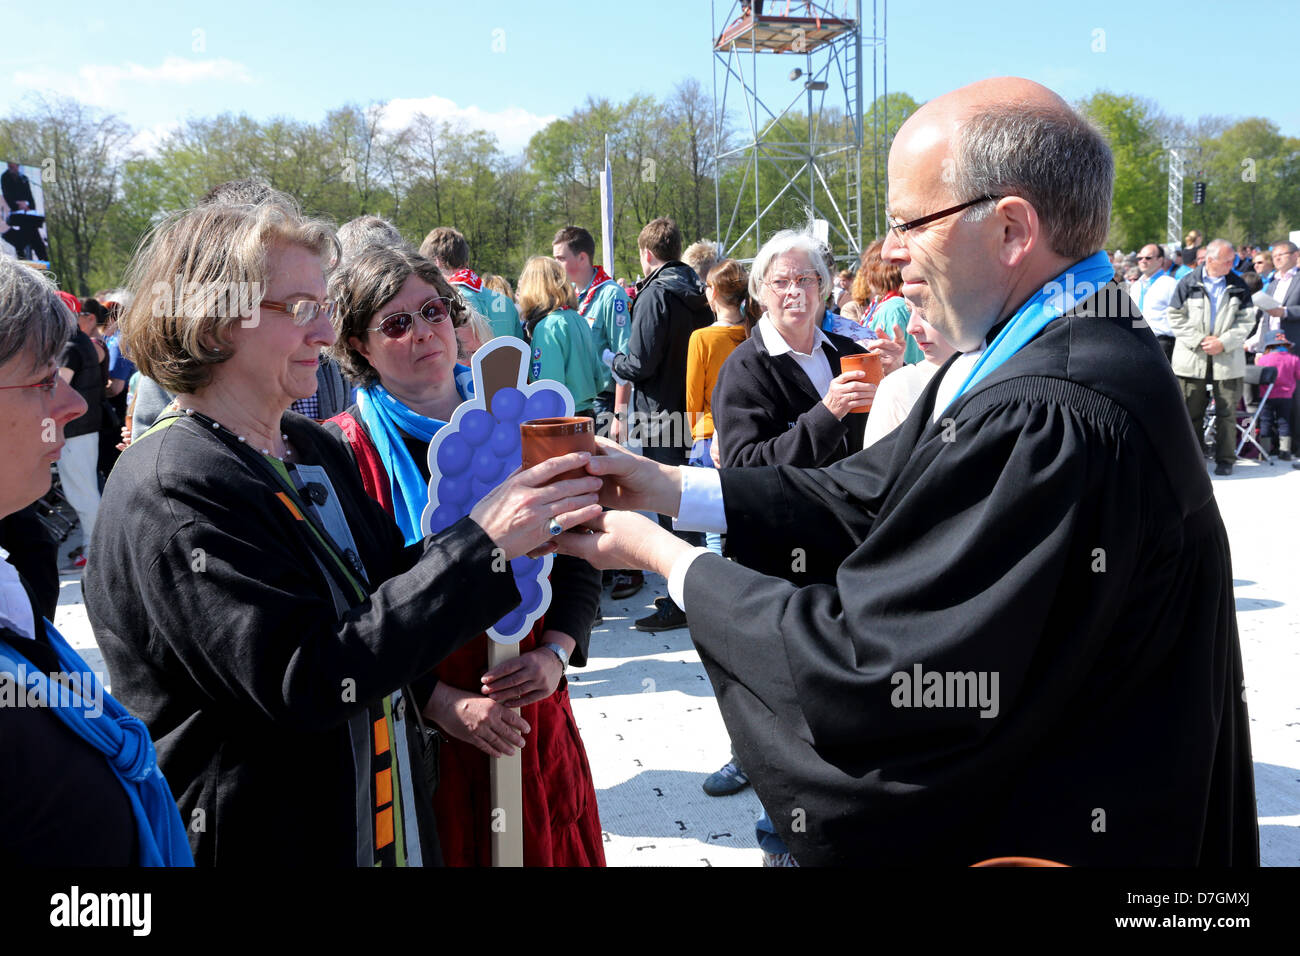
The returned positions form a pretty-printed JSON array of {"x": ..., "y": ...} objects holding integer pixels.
[{"x": 1040, "y": 522}]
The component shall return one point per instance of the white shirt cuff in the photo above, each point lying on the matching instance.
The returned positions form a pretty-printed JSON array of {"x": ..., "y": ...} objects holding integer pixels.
[
  {"x": 677, "y": 576},
  {"x": 701, "y": 507}
]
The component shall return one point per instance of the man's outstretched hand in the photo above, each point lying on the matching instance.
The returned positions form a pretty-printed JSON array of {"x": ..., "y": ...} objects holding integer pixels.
[
  {"x": 635, "y": 483},
  {"x": 624, "y": 539}
]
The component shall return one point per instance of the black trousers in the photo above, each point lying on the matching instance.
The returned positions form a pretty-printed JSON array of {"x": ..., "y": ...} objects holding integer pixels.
[{"x": 1227, "y": 393}]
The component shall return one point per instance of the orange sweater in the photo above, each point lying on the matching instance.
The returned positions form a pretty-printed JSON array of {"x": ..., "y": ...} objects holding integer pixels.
[{"x": 708, "y": 349}]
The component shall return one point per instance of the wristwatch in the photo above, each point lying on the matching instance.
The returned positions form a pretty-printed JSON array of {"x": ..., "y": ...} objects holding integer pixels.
[{"x": 559, "y": 652}]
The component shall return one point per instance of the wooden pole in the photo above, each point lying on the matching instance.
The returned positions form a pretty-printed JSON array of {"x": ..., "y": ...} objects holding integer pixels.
[{"x": 507, "y": 787}]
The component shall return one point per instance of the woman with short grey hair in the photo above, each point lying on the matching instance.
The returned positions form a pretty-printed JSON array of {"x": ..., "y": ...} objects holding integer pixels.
[
  {"x": 253, "y": 604},
  {"x": 81, "y": 785}
]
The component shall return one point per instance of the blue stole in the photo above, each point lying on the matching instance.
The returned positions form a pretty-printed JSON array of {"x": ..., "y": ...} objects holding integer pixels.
[
  {"x": 122, "y": 739},
  {"x": 387, "y": 419},
  {"x": 1048, "y": 304}
]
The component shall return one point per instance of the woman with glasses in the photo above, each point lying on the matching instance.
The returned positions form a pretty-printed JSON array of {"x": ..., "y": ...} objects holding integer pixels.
[
  {"x": 395, "y": 338},
  {"x": 79, "y": 784},
  {"x": 256, "y": 609},
  {"x": 780, "y": 397}
]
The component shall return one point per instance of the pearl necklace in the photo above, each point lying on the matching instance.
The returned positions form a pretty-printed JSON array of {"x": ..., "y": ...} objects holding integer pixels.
[{"x": 288, "y": 452}]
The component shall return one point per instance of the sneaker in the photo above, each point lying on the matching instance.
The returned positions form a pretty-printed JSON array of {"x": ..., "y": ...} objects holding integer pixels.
[
  {"x": 778, "y": 859},
  {"x": 627, "y": 583},
  {"x": 1223, "y": 468},
  {"x": 668, "y": 617},
  {"x": 726, "y": 781},
  {"x": 79, "y": 562}
]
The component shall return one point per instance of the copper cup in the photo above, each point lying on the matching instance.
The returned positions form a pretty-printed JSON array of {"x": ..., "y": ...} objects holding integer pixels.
[
  {"x": 545, "y": 438},
  {"x": 868, "y": 362}
]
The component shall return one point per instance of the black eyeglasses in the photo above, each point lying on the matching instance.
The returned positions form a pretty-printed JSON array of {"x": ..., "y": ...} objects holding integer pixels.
[
  {"x": 435, "y": 312},
  {"x": 898, "y": 228},
  {"x": 1147, "y": 258},
  {"x": 47, "y": 384}
]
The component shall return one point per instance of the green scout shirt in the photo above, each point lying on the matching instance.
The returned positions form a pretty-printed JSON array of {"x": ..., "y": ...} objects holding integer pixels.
[
  {"x": 563, "y": 351},
  {"x": 610, "y": 316}
]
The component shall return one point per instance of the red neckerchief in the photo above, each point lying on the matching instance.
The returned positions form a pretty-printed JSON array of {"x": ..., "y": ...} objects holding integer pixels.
[
  {"x": 892, "y": 293},
  {"x": 466, "y": 277},
  {"x": 597, "y": 280}
]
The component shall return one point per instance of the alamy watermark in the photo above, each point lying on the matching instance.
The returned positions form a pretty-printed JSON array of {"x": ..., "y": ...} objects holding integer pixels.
[
  {"x": 948, "y": 689},
  {"x": 37, "y": 689},
  {"x": 222, "y": 300}
]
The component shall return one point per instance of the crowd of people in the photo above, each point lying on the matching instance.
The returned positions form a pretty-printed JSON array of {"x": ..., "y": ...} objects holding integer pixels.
[
  {"x": 301, "y": 673},
  {"x": 1201, "y": 303}
]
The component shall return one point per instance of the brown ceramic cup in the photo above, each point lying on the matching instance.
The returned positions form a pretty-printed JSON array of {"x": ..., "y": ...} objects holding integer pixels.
[
  {"x": 868, "y": 362},
  {"x": 544, "y": 438}
]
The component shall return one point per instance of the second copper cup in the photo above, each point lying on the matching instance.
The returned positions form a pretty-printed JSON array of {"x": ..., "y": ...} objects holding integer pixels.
[{"x": 868, "y": 362}]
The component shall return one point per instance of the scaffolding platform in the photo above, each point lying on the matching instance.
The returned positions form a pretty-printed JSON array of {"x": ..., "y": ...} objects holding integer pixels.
[{"x": 771, "y": 34}]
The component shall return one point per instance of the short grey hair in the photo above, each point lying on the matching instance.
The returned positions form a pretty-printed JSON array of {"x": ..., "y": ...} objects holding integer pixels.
[
  {"x": 1053, "y": 158},
  {"x": 787, "y": 240},
  {"x": 32, "y": 317},
  {"x": 1214, "y": 245},
  {"x": 366, "y": 231},
  {"x": 1286, "y": 245}
]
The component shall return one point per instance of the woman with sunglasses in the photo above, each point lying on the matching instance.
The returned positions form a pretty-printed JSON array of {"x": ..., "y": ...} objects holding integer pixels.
[
  {"x": 261, "y": 614},
  {"x": 396, "y": 339},
  {"x": 79, "y": 781}
]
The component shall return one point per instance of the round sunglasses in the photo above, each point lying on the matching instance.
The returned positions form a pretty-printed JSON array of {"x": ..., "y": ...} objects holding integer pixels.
[{"x": 435, "y": 312}]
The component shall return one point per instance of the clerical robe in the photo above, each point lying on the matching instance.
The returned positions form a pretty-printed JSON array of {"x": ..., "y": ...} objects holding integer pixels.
[{"x": 1052, "y": 534}]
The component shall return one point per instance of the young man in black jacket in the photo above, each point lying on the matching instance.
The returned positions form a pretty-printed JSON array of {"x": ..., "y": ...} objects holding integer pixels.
[{"x": 668, "y": 307}]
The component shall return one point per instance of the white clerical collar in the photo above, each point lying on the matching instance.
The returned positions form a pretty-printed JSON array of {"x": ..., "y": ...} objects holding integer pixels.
[
  {"x": 15, "y": 606},
  {"x": 776, "y": 344}
]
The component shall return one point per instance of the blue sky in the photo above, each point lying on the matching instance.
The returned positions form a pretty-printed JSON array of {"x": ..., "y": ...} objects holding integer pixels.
[{"x": 510, "y": 65}]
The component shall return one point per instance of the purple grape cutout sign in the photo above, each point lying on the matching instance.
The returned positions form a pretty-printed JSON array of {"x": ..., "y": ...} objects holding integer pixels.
[{"x": 479, "y": 448}]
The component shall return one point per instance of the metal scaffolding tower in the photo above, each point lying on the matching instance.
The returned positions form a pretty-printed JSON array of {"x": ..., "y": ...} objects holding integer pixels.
[
  {"x": 1174, "y": 229},
  {"x": 817, "y": 157}
]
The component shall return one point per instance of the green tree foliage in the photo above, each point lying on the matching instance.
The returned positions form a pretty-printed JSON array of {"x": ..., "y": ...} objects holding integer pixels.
[
  {"x": 1139, "y": 206},
  {"x": 107, "y": 193}
]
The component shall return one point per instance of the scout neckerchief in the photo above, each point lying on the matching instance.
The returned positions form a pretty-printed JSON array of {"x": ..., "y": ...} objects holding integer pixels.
[
  {"x": 1049, "y": 303},
  {"x": 467, "y": 278},
  {"x": 597, "y": 280},
  {"x": 892, "y": 293}
]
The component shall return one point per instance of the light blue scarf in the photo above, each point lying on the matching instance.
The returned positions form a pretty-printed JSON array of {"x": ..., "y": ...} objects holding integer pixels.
[
  {"x": 387, "y": 419},
  {"x": 1048, "y": 304},
  {"x": 124, "y": 740}
]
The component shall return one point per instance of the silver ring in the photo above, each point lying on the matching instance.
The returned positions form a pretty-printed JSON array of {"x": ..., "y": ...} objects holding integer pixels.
[{"x": 554, "y": 527}]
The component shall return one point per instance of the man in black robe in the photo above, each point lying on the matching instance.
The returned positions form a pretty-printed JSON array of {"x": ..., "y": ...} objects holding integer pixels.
[{"x": 1008, "y": 627}]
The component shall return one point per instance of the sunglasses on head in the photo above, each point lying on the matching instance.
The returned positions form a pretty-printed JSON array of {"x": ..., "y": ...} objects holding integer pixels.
[{"x": 435, "y": 312}]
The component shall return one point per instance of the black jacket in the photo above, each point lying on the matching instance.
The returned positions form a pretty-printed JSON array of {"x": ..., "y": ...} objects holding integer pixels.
[
  {"x": 81, "y": 357},
  {"x": 220, "y": 632},
  {"x": 668, "y": 307},
  {"x": 15, "y": 186},
  {"x": 1055, "y": 528},
  {"x": 766, "y": 411},
  {"x": 60, "y": 802}
]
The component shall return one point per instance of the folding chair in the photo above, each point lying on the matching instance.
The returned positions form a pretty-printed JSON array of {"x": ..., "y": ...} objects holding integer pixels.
[{"x": 1262, "y": 377}]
